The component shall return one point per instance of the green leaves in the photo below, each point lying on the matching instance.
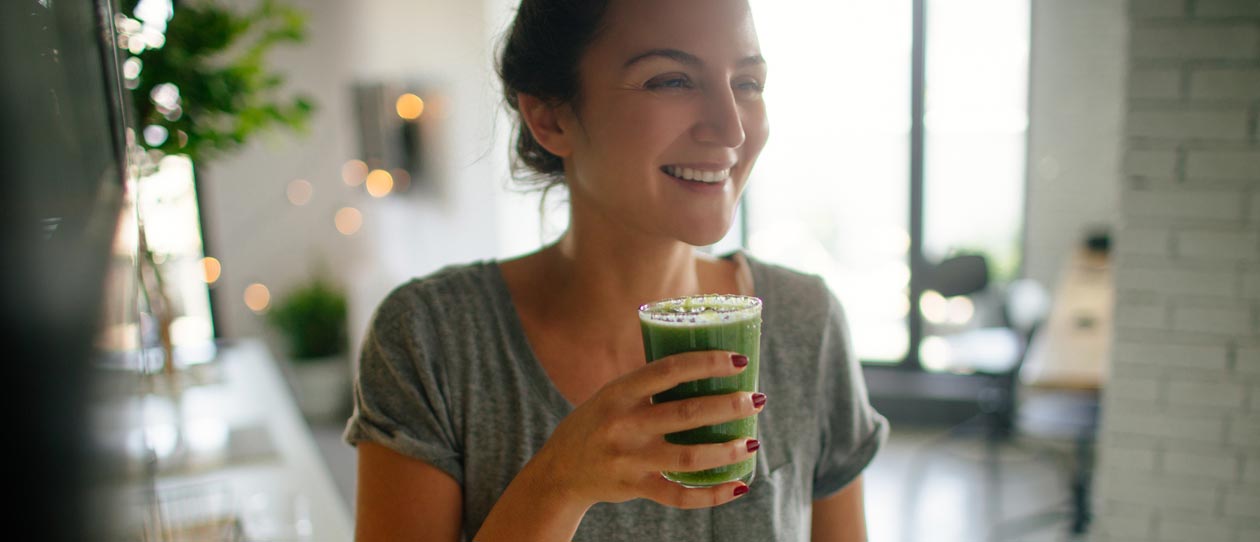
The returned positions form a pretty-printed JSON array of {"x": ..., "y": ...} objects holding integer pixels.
[
  {"x": 313, "y": 320},
  {"x": 216, "y": 59}
]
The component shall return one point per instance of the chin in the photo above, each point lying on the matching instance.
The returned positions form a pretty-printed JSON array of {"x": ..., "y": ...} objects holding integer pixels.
[{"x": 704, "y": 235}]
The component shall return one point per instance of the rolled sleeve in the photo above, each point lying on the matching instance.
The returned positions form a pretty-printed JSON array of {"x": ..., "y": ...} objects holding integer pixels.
[
  {"x": 399, "y": 401},
  {"x": 851, "y": 430}
]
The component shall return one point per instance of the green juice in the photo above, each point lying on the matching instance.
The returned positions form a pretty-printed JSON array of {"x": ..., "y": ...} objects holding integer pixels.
[{"x": 709, "y": 322}]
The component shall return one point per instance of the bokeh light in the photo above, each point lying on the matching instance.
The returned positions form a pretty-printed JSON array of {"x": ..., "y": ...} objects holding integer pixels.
[
  {"x": 212, "y": 269},
  {"x": 934, "y": 306},
  {"x": 155, "y": 135},
  {"x": 379, "y": 183},
  {"x": 402, "y": 179},
  {"x": 935, "y": 353},
  {"x": 436, "y": 107},
  {"x": 132, "y": 67},
  {"x": 348, "y": 220},
  {"x": 299, "y": 192},
  {"x": 409, "y": 106},
  {"x": 961, "y": 309},
  {"x": 353, "y": 172},
  {"x": 257, "y": 297}
]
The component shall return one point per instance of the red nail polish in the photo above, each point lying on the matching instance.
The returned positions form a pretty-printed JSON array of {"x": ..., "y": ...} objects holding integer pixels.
[
  {"x": 740, "y": 490},
  {"x": 739, "y": 360},
  {"x": 759, "y": 399},
  {"x": 753, "y": 444}
]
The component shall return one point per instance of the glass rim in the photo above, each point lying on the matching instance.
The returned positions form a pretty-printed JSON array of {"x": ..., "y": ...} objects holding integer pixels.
[{"x": 729, "y": 308}]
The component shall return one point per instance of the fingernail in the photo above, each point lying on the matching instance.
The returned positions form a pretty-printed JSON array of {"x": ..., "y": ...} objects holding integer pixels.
[
  {"x": 739, "y": 360},
  {"x": 753, "y": 444},
  {"x": 740, "y": 490},
  {"x": 759, "y": 399}
]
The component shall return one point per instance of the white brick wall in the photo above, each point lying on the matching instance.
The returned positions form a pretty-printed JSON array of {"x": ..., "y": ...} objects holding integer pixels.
[
  {"x": 1212, "y": 123},
  {"x": 1194, "y": 40},
  {"x": 1179, "y": 446},
  {"x": 1206, "y": 9},
  {"x": 1172, "y": 530},
  {"x": 1224, "y": 83},
  {"x": 1232, "y": 164}
]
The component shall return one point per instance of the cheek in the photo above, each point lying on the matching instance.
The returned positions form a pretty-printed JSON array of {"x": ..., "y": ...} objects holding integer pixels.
[
  {"x": 634, "y": 137},
  {"x": 756, "y": 131}
]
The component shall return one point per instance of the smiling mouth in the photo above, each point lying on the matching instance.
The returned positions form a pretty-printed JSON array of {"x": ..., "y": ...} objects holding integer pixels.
[{"x": 710, "y": 176}]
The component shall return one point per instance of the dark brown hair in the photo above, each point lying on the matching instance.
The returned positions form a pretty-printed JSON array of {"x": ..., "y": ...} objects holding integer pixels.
[{"x": 540, "y": 57}]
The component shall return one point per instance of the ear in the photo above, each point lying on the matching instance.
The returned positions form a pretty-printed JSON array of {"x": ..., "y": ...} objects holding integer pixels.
[{"x": 545, "y": 123}]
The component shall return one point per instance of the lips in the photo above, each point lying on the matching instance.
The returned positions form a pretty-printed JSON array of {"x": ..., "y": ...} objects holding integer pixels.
[{"x": 703, "y": 175}]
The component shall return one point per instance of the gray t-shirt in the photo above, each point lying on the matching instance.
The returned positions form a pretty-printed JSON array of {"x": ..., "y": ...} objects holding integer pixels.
[{"x": 447, "y": 377}]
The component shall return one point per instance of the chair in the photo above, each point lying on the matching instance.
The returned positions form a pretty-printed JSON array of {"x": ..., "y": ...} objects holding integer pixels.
[
  {"x": 964, "y": 274},
  {"x": 995, "y": 353}
]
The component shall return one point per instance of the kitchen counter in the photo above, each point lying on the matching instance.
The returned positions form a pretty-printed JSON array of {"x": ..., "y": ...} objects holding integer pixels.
[{"x": 216, "y": 447}]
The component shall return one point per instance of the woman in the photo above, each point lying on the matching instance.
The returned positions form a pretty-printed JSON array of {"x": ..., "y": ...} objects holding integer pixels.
[{"x": 510, "y": 400}]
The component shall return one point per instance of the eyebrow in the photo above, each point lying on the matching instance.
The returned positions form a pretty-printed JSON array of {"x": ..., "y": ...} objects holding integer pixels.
[{"x": 686, "y": 58}]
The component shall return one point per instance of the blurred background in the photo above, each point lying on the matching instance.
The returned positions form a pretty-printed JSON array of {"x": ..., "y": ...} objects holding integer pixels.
[{"x": 1042, "y": 216}]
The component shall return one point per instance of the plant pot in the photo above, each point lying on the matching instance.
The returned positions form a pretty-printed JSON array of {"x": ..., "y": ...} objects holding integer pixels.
[{"x": 321, "y": 388}]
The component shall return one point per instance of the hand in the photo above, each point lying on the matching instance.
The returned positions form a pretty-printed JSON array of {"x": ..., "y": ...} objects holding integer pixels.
[{"x": 612, "y": 447}]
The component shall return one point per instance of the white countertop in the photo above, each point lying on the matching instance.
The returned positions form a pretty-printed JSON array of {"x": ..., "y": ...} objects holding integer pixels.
[{"x": 229, "y": 439}]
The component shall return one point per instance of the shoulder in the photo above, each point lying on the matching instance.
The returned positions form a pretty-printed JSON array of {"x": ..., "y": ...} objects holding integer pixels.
[
  {"x": 454, "y": 284},
  {"x": 802, "y": 318},
  {"x": 790, "y": 294},
  {"x": 425, "y": 305}
]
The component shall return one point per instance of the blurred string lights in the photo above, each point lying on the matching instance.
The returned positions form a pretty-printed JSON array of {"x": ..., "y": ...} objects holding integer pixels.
[
  {"x": 379, "y": 183},
  {"x": 200, "y": 87},
  {"x": 355, "y": 173},
  {"x": 147, "y": 31},
  {"x": 257, "y": 297},
  {"x": 212, "y": 268},
  {"x": 300, "y": 192},
  {"x": 409, "y": 106},
  {"x": 348, "y": 220}
]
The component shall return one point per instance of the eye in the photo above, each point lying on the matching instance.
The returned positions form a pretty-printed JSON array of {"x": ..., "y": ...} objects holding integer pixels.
[
  {"x": 750, "y": 86},
  {"x": 669, "y": 82}
]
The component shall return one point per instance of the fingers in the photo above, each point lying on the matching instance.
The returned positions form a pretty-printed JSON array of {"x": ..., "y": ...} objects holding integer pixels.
[
  {"x": 695, "y": 457},
  {"x": 670, "y": 371},
  {"x": 669, "y": 493},
  {"x": 696, "y": 412}
]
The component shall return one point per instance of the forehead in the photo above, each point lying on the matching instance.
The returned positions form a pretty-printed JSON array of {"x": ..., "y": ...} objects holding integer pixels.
[{"x": 717, "y": 31}]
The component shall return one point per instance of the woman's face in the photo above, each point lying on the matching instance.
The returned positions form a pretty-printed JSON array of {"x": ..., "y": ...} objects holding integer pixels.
[{"x": 670, "y": 117}]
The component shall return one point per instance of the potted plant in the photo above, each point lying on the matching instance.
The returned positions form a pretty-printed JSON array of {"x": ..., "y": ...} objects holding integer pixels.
[
  {"x": 312, "y": 321},
  {"x": 200, "y": 87}
]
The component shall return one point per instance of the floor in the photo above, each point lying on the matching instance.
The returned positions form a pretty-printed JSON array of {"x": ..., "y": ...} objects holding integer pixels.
[{"x": 928, "y": 483}]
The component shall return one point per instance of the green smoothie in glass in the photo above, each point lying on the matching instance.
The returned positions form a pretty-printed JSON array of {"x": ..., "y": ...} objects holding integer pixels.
[{"x": 707, "y": 322}]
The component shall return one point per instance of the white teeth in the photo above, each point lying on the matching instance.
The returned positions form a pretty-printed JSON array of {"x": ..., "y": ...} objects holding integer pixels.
[{"x": 699, "y": 175}]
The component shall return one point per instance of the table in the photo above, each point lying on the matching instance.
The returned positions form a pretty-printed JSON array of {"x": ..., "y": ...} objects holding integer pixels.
[
  {"x": 1067, "y": 365},
  {"x": 1072, "y": 350}
]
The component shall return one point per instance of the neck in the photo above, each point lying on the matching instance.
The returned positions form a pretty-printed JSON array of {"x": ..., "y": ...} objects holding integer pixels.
[{"x": 606, "y": 270}]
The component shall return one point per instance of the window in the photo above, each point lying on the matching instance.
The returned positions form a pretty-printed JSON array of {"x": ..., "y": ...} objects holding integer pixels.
[{"x": 835, "y": 192}]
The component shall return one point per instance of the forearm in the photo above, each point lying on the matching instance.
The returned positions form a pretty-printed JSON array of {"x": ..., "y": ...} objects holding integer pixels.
[{"x": 533, "y": 508}]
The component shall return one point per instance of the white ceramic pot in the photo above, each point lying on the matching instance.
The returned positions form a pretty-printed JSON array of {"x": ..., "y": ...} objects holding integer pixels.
[{"x": 321, "y": 387}]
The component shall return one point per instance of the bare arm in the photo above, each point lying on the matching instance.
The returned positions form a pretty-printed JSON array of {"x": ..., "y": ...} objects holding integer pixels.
[
  {"x": 400, "y": 498},
  {"x": 841, "y": 517}
]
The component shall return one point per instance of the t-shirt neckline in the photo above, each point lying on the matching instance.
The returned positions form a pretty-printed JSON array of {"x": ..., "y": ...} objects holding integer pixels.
[{"x": 531, "y": 365}]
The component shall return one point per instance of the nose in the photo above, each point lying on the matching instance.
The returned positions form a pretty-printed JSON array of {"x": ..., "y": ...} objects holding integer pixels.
[{"x": 720, "y": 121}]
